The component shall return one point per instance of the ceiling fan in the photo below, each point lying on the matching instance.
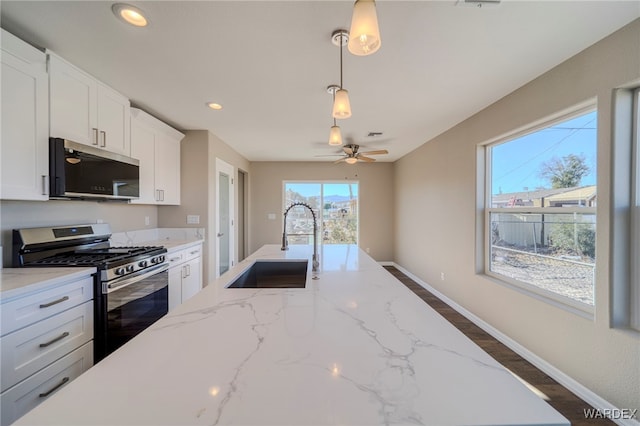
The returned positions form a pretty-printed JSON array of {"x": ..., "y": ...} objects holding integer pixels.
[{"x": 353, "y": 155}]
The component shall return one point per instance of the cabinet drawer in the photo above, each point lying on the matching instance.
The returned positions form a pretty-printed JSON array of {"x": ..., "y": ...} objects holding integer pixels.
[
  {"x": 175, "y": 258},
  {"x": 24, "y": 396},
  {"x": 34, "y": 347},
  {"x": 27, "y": 310},
  {"x": 192, "y": 253}
]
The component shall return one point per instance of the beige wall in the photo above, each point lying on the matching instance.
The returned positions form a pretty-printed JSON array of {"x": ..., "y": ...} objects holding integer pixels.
[
  {"x": 435, "y": 222},
  {"x": 375, "y": 192},
  {"x": 28, "y": 214},
  {"x": 198, "y": 152}
]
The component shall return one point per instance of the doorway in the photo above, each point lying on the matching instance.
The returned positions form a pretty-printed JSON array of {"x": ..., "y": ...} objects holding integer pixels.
[{"x": 225, "y": 230}]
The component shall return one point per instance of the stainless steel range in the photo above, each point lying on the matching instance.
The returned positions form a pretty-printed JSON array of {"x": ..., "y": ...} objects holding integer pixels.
[{"x": 130, "y": 286}]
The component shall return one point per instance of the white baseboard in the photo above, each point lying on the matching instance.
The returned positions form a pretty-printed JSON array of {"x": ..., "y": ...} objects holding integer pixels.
[{"x": 580, "y": 390}]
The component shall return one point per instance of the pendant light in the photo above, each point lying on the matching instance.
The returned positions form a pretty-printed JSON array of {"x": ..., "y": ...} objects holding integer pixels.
[
  {"x": 364, "y": 32},
  {"x": 341, "y": 104},
  {"x": 335, "y": 136}
]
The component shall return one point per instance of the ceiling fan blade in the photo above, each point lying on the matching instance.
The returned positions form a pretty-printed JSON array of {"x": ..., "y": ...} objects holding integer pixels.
[
  {"x": 329, "y": 155},
  {"x": 339, "y": 161},
  {"x": 366, "y": 159},
  {"x": 347, "y": 149},
  {"x": 377, "y": 152}
]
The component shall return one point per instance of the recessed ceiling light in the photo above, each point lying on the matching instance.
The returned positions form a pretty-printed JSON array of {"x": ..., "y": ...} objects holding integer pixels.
[
  {"x": 129, "y": 14},
  {"x": 214, "y": 105}
]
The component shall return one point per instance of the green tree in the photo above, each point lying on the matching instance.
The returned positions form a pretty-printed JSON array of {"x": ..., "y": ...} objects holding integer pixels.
[{"x": 565, "y": 172}]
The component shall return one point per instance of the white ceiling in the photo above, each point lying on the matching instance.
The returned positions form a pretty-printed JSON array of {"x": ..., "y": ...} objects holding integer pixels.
[{"x": 269, "y": 63}]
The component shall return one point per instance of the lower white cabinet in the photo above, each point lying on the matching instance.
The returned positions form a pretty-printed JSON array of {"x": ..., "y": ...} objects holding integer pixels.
[
  {"x": 26, "y": 395},
  {"x": 46, "y": 342},
  {"x": 185, "y": 274}
]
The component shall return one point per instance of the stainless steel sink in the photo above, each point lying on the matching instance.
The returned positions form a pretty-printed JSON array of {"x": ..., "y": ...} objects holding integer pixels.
[{"x": 273, "y": 274}]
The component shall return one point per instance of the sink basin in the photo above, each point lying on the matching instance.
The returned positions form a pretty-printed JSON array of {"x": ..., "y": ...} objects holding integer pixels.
[{"x": 273, "y": 274}]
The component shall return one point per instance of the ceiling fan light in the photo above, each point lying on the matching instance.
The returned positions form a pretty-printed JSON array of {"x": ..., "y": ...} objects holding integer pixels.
[
  {"x": 351, "y": 160},
  {"x": 341, "y": 105},
  {"x": 335, "y": 137},
  {"x": 364, "y": 35}
]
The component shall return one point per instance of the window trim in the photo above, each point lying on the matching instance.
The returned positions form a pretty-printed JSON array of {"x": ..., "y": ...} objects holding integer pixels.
[
  {"x": 485, "y": 209},
  {"x": 634, "y": 250}
]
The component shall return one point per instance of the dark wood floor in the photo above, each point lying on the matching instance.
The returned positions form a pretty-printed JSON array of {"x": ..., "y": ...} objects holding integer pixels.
[{"x": 560, "y": 398}]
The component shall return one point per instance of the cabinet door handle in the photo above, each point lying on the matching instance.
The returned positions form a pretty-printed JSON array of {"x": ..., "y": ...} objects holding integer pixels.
[
  {"x": 52, "y": 341},
  {"x": 162, "y": 191},
  {"x": 184, "y": 271},
  {"x": 157, "y": 195},
  {"x": 44, "y": 185},
  {"x": 53, "y": 389},
  {"x": 103, "y": 138},
  {"x": 95, "y": 137},
  {"x": 55, "y": 302},
  {"x": 188, "y": 270}
]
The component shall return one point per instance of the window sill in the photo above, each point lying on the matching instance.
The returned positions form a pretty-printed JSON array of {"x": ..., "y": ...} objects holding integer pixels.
[{"x": 562, "y": 302}]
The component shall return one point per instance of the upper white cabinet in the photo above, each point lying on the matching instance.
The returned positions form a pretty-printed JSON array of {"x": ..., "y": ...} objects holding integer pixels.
[
  {"x": 25, "y": 121},
  {"x": 85, "y": 110},
  {"x": 157, "y": 146}
]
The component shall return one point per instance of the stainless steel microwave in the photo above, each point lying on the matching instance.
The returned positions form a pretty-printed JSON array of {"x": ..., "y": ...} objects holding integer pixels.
[{"x": 80, "y": 171}]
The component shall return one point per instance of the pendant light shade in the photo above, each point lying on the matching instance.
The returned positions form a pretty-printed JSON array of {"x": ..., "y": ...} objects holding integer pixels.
[
  {"x": 335, "y": 137},
  {"x": 351, "y": 160},
  {"x": 364, "y": 36},
  {"x": 341, "y": 105}
]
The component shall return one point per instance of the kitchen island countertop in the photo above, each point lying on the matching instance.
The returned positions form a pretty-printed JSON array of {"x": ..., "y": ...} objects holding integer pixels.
[{"x": 353, "y": 347}]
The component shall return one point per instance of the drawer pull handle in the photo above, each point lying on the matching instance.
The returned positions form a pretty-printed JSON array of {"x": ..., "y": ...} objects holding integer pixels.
[
  {"x": 194, "y": 252},
  {"x": 55, "y": 388},
  {"x": 50, "y": 342},
  {"x": 55, "y": 302},
  {"x": 173, "y": 259}
]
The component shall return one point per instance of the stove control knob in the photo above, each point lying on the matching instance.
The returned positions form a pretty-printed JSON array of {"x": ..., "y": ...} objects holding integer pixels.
[
  {"x": 130, "y": 268},
  {"x": 160, "y": 259},
  {"x": 154, "y": 260},
  {"x": 120, "y": 271},
  {"x": 143, "y": 264}
]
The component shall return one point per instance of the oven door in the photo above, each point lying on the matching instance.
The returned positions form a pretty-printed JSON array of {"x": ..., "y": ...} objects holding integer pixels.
[{"x": 132, "y": 304}]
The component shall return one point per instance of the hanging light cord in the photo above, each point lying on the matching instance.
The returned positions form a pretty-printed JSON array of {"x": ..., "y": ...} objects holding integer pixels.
[
  {"x": 334, "y": 101},
  {"x": 340, "y": 62}
]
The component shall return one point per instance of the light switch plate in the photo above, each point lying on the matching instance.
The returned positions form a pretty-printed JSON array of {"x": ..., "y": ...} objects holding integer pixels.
[
  {"x": 193, "y": 219},
  {"x": 271, "y": 216}
]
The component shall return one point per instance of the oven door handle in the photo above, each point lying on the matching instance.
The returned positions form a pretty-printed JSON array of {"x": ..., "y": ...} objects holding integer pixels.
[{"x": 125, "y": 281}]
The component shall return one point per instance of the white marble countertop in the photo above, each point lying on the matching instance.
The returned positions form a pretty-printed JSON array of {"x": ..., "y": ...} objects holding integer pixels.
[
  {"x": 15, "y": 282},
  {"x": 353, "y": 347},
  {"x": 173, "y": 239}
]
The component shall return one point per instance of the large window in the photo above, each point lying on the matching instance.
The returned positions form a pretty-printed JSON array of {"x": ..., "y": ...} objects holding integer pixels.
[
  {"x": 336, "y": 208},
  {"x": 540, "y": 221}
]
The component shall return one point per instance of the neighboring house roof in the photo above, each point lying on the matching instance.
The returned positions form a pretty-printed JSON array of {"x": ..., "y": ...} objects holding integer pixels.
[
  {"x": 550, "y": 196},
  {"x": 527, "y": 195},
  {"x": 581, "y": 193}
]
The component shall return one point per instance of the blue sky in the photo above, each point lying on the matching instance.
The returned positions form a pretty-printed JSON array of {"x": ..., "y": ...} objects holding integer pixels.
[
  {"x": 516, "y": 164},
  {"x": 308, "y": 189}
]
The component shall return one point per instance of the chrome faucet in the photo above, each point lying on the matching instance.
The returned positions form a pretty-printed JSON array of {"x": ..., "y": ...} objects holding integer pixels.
[{"x": 285, "y": 243}]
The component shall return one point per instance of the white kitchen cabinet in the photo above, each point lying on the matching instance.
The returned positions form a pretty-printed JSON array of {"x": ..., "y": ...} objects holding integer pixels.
[
  {"x": 84, "y": 110},
  {"x": 157, "y": 146},
  {"x": 25, "y": 121},
  {"x": 185, "y": 274},
  {"x": 46, "y": 342}
]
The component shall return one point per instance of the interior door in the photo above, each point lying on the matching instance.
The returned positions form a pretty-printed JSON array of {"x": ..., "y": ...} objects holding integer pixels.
[{"x": 225, "y": 230}]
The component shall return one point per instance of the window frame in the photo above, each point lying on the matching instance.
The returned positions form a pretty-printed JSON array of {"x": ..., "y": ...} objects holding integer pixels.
[
  {"x": 320, "y": 212},
  {"x": 634, "y": 252},
  {"x": 556, "y": 299}
]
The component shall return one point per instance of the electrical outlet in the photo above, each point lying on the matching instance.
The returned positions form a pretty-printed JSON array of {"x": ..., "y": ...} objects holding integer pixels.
[
  {"x": 442, "y": 276},
  {"x": 99, "y": 221},
  {"x": 193, "y": 219},
  {"x": 147, "y": 220},
  {"x": 271, "y": 216},
  {"x": 368, "y": 250}
]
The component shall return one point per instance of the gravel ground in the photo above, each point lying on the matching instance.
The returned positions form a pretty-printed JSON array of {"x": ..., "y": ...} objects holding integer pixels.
[{"x": 568, "y": 279}]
